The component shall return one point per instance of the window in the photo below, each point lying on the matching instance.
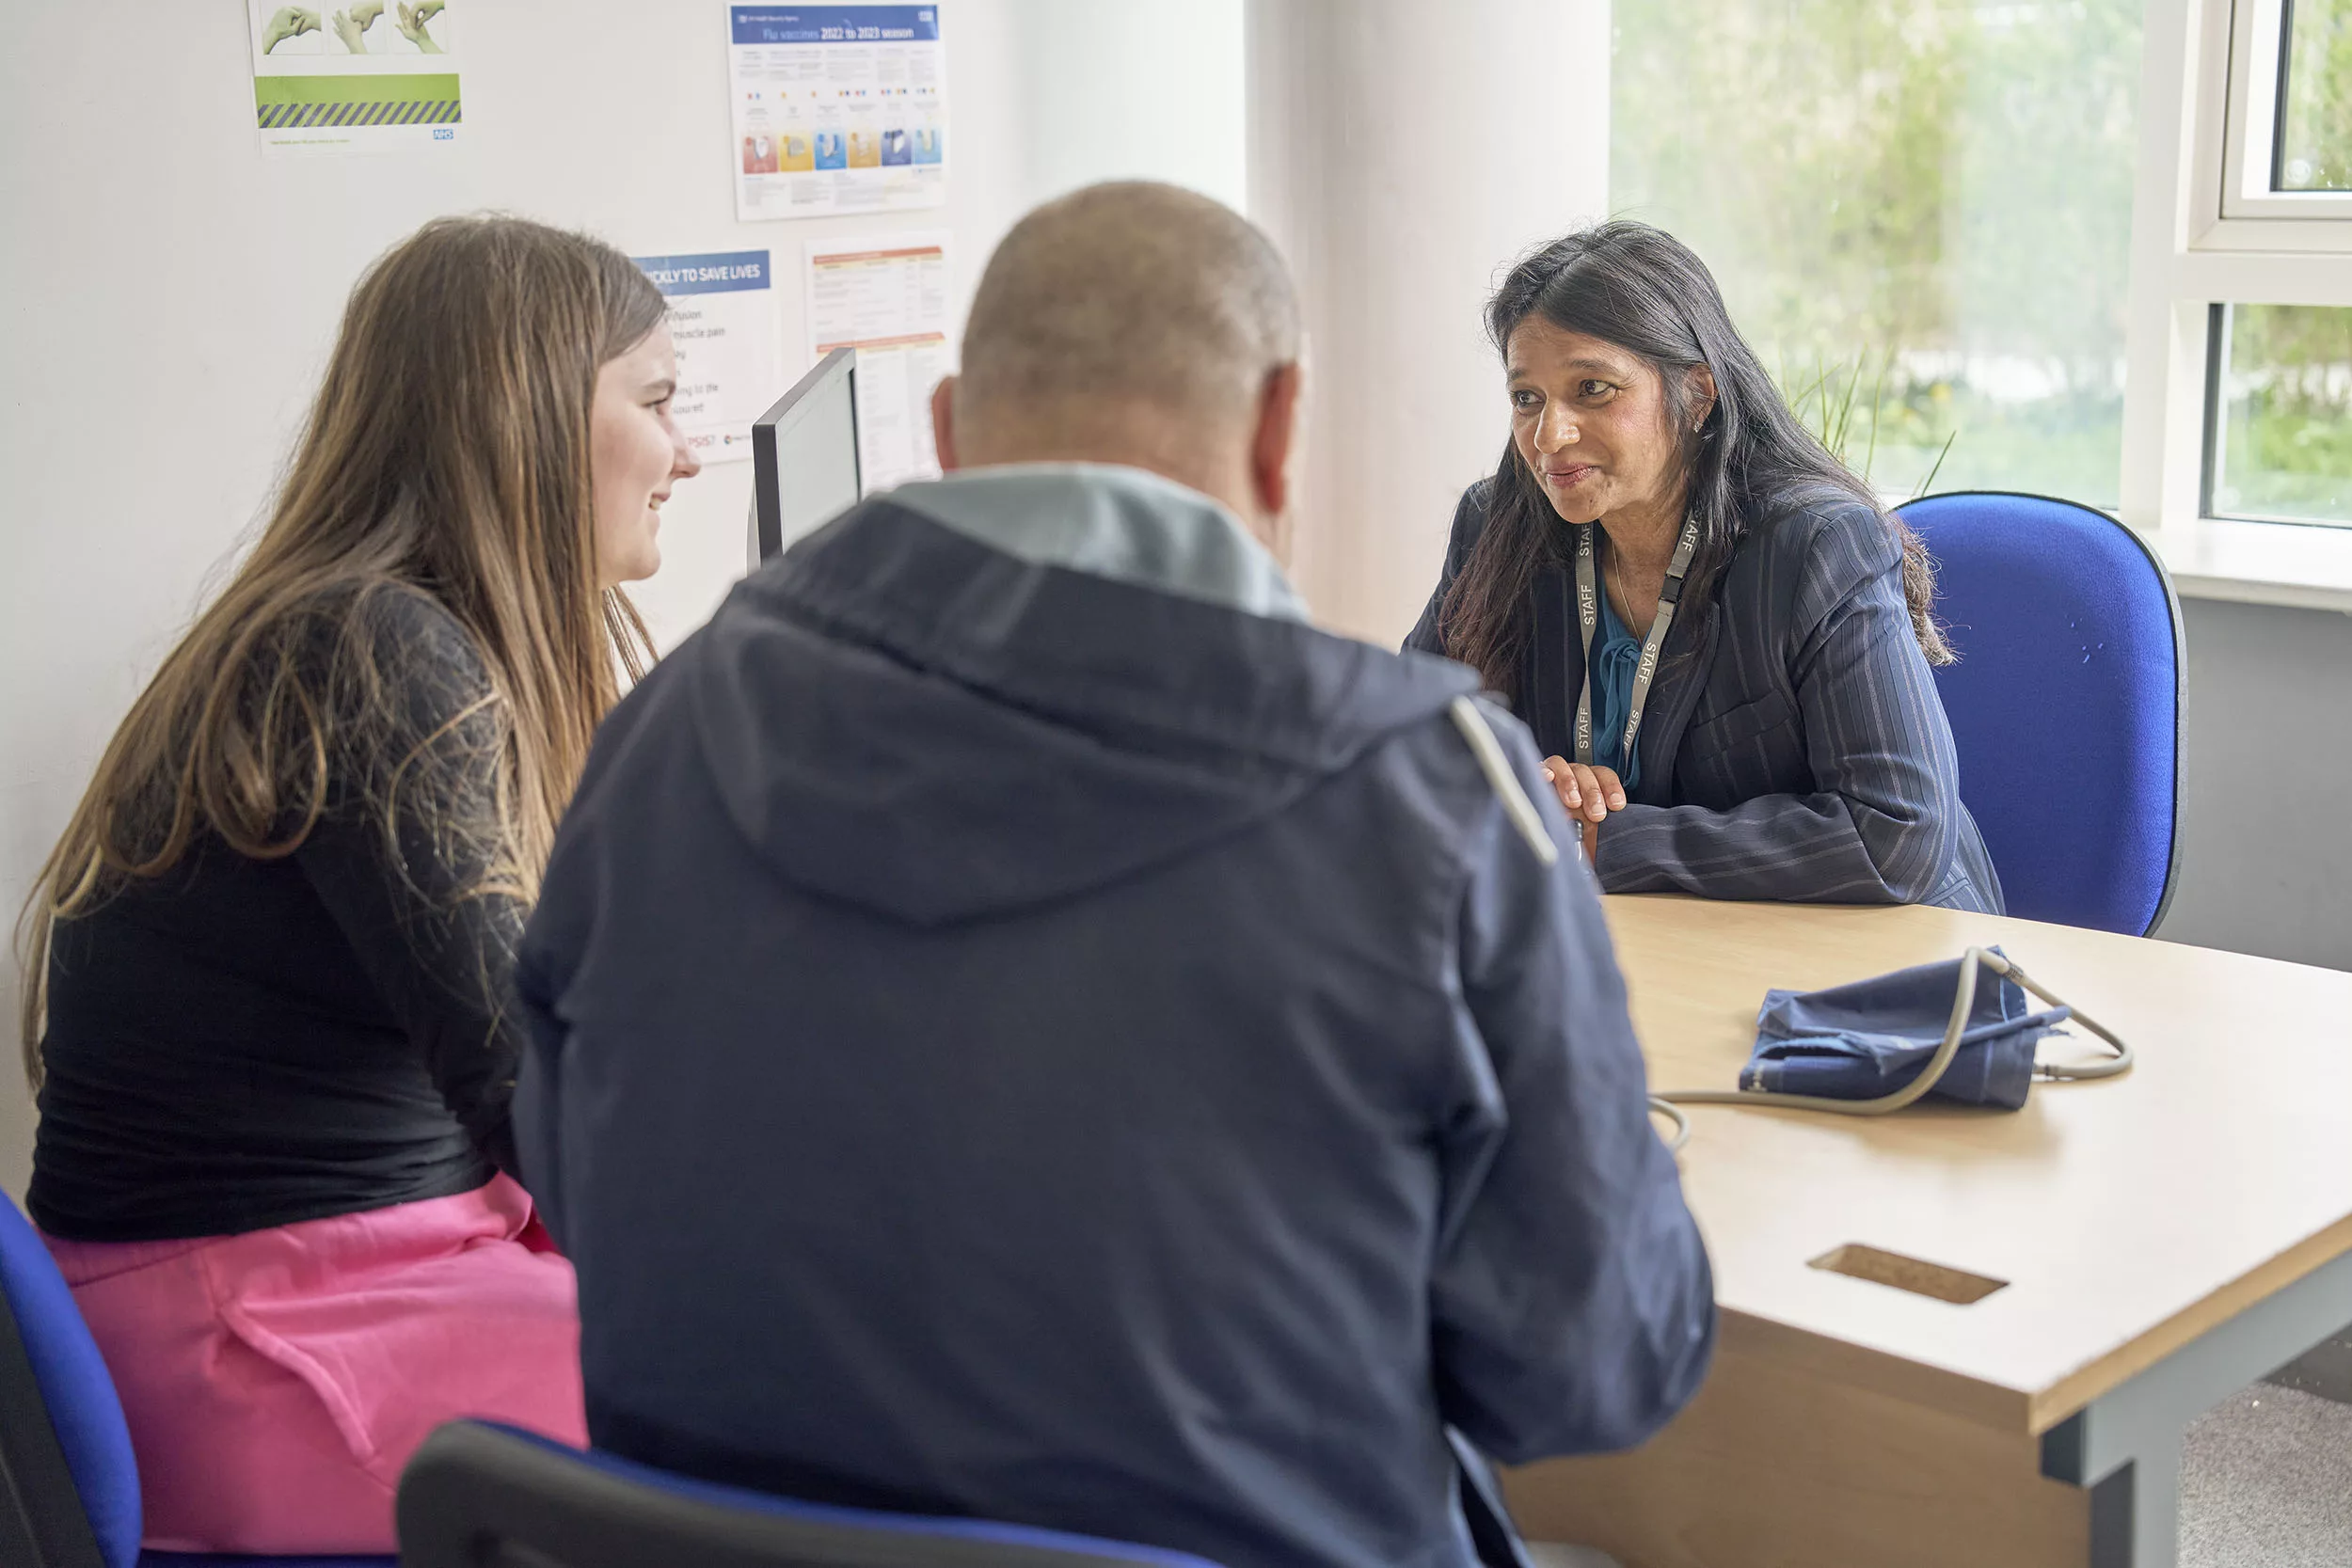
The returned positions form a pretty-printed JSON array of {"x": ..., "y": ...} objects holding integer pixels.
[
  {"x": 2261, "y": 291},
  {"x": 2098, "y": 248},
  {"x": 2289, "y": 134},
  {"x": 2281, "y": 400},
  {"x": 1919, "y": 211},
  {"x": 2314, "y": 139}
]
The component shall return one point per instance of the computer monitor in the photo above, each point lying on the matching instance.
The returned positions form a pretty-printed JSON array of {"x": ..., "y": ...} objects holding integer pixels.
[{"x": 804, "y": 462}]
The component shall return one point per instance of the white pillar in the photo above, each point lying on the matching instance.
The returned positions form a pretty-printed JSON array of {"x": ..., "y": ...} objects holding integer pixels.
[
  {"x": 1402, "y": 154},
  {"x": 1116, "y": 89},
  {"x": 2165, "y": 347}
]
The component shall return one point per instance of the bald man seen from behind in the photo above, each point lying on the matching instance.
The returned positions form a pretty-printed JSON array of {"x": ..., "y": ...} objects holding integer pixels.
[{"x": 1026, "y": 1027}]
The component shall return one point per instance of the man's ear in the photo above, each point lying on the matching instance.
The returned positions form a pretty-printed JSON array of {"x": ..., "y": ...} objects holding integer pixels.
[
  {"x": 1274, "y": 445},
  {"x": 944, "y": 423}
]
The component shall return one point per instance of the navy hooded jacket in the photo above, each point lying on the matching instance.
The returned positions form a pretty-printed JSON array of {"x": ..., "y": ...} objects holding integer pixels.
[{"x": 1025, "y": 1026}]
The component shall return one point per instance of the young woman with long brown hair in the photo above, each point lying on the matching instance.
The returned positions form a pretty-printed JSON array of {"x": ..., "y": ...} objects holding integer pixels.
[
  {"x": 267, "y": 963},
  {"x": 1718, "y": 637}
]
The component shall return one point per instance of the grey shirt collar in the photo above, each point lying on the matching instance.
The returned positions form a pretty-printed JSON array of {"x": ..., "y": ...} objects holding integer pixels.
[{"x": 1126, "y": 524}]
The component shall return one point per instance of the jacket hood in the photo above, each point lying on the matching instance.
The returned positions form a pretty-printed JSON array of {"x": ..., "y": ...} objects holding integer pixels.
[{"x": 941, "y": 720}]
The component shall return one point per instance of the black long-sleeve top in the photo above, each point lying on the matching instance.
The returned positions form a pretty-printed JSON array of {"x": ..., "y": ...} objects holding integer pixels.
[{"x": 243, "y": 1043}]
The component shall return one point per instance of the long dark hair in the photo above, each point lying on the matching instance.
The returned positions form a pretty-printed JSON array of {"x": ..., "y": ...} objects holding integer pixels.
[{"x": 1644, "y": 291}]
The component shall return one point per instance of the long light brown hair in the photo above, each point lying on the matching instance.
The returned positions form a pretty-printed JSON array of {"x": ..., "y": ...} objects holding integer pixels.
[{"x": 447, "y": 455}]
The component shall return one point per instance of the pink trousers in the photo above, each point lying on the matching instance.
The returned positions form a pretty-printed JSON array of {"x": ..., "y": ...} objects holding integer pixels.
[{"x": 276, "y": 1382}]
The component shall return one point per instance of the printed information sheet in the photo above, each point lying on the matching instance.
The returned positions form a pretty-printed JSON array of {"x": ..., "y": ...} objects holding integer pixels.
[
  {"x": 723, "y": 316},
  {"x": 837, "y": 109},
  {"x": 887, "y": 298},
  {"x": 362, "y": 78}
]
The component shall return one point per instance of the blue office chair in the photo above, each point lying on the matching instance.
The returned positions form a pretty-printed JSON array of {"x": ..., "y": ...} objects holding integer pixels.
[
  {"x": 2066, "y": 701},
  {"x": 69, "y": 1485},
  {"x": 484, "y": 1495}
]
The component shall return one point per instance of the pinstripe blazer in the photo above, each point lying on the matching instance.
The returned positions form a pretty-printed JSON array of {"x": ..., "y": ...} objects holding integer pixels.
[{"x": 1794, "y": 748}]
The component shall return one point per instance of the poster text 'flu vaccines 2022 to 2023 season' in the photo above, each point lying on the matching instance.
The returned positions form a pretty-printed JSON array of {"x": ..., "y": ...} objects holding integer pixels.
[{"x": 837, "y": 109}]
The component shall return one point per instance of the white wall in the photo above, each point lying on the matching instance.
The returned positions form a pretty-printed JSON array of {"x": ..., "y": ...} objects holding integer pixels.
[
  {"x": 2266, "y": 774},
  {"x": 1402, "y": 160},
  {"x": 1110, "y": 88},
  {"x": 169, "y": 296}
]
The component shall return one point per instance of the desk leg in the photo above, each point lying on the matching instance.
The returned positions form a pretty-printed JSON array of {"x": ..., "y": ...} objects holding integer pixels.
[
  {"x": 2136, "y": 1512},
  {"x": 2125, "y": 1445}
]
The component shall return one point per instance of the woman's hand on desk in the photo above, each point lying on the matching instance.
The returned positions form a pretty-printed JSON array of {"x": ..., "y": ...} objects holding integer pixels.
[{"x": 1587, "y": 794}]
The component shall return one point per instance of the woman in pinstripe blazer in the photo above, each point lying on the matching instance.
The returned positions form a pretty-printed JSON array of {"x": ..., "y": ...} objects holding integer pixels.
[{"x": 1790, "y": 745}]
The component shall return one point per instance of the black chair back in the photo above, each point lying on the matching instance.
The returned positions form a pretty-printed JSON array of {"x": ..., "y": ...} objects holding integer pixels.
[{"x": 478, "y": 1495}]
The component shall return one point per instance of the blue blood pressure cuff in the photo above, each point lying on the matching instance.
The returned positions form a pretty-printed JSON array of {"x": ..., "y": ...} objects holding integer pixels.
[{"x": 1870, "y": 1038}]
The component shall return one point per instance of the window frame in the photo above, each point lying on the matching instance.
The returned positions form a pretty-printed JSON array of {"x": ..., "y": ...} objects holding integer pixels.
[
  {"x": 2221, "y": 327},
  {"x": 2189, "y": 254},
  {"x": 2254, "y": 91}
]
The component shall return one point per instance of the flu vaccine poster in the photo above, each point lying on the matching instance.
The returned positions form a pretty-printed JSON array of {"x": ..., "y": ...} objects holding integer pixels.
[{"x": 837, "y": 109}]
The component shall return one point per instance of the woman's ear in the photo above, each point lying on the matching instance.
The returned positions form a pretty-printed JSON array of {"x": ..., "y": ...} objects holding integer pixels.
[{"x": 1699, "y": 390}]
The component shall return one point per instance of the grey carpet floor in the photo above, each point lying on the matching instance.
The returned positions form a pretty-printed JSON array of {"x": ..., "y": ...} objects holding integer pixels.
[{"x": 2266, "y": 1483}]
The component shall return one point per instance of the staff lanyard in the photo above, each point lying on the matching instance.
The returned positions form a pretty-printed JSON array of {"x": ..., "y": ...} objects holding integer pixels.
[{"x": 1588, "y": 616}]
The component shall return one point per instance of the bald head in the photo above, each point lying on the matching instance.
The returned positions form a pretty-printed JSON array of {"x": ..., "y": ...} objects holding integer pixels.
[{"x": 1129, "y": 323}]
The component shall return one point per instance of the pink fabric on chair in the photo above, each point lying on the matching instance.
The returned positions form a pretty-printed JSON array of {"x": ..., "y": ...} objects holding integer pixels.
[{"x": 276, "y": 1380}]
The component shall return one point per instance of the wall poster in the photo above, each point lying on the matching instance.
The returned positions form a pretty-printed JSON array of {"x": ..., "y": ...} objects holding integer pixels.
[
  {"x": 837, "y": 109},
  {"x": 363, "y": 77},
  {"x": 723, "y": 317},
  {"x": 886, "y": 296}
]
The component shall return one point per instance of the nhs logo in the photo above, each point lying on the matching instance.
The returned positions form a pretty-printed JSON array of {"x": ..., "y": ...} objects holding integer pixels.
[{"x": 444, "y": 133}]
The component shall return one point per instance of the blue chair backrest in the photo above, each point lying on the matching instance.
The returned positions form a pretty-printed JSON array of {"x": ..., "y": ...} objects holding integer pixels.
[
  {"x": 65, "y": 1452},
  {"x": 480, "y": 1493},
  {"x": 2065, "y": 703}
]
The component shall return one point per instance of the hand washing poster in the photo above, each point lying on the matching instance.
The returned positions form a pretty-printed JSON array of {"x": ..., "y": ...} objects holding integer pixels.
[
  {"x": 363, "y": 77},
  {"x": 723, "y": 317},
  {"x": 837, "y": 109},
  {"x": 886, "y": 296}
]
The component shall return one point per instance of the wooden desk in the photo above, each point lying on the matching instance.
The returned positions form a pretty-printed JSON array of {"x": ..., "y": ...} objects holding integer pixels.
[{"x": 2166, "y": 1238}]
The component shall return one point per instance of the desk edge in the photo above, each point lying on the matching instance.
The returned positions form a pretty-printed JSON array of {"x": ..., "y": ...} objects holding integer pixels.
[{"x": 2085, "y": 1384}]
